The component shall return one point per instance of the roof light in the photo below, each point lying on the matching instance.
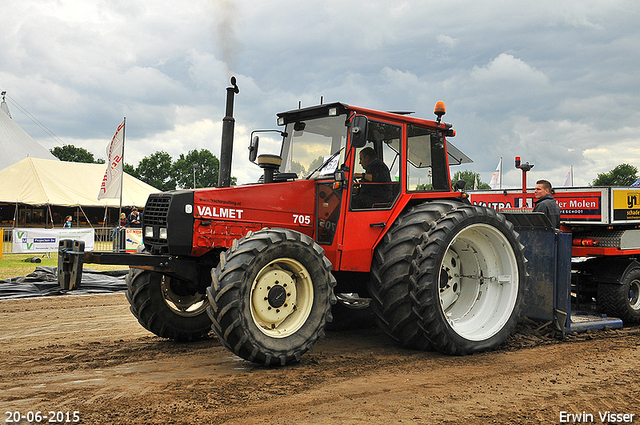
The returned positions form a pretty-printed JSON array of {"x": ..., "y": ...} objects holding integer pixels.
[
  {"x": 439, "y": 110},
  {"x": 333, "y": 112},
  {"x": 280, "y": 121}
]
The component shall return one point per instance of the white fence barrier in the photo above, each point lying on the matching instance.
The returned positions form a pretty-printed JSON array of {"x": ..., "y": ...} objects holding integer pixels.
[
  {"x": 28, "y": 240},
  {"x": 104, "y": 239}
]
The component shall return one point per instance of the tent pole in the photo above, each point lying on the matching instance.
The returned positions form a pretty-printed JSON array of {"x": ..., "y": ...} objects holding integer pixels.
[
  {"x": 104, "y": 220},
  {"x": 50, "y": 215},
  {"x": 85, "y": 216}
]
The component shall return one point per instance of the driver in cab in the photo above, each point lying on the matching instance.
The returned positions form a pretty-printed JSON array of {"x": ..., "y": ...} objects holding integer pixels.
[{"x": 376, "y": 179}]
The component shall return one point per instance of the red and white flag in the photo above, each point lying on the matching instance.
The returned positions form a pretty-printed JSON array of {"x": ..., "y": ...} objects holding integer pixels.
[
  {"x": 568, "y": 181},
  {"x": 496, "y": 180},
  {"x": 112, "y": 180}
]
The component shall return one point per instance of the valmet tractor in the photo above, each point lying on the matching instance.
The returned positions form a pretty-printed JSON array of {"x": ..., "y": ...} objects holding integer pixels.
[{"x": 261, "y": 264}]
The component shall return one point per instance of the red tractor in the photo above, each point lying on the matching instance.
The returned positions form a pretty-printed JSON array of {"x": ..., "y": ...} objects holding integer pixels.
[{"x": 261, "y": 264}]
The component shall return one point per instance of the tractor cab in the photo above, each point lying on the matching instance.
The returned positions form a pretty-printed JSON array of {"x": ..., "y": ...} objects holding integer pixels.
[{"x": 314, "y": 146}]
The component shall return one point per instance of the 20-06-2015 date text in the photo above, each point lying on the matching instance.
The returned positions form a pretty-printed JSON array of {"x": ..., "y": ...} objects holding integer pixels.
[{"x": 51, "y": 416}]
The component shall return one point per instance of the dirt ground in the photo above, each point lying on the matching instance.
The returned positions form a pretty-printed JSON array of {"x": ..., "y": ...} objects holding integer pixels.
[{"x": 87, "y": 354}]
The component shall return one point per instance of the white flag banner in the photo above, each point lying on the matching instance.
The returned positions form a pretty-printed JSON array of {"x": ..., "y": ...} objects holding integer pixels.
[
  {"x": 111, "y": 182},
  {"x": 568, "y": 181},
  {"x": 495, "y": 179},
  {"x": 475, "y": 183}
]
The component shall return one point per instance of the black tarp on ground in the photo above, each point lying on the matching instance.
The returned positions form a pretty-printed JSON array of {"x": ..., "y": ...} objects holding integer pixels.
[{"x": 44, "y": 282}]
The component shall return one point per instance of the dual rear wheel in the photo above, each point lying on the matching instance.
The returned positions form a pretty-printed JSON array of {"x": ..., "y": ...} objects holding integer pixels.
[{"x": 460, "y": 286}]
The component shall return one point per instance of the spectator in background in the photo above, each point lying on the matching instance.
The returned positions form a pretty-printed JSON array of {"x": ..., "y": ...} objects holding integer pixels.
[
  {"x": 546, "y": 203},
  {"x": 135, "y": 221},
  {"x": 123, "y": 222},
  {"x": 67, "y": 222}
]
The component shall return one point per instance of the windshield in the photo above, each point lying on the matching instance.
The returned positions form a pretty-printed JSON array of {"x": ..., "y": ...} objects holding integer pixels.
[{"x": 313, "y": 142}]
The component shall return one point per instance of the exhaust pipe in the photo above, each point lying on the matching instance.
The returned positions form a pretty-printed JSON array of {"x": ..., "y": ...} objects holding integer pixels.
[{"x": 226, "y": 143}]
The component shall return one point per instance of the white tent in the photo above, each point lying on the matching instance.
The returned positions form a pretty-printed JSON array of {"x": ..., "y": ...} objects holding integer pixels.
[
  {"x": 15, "y": 143},
  {"x": 36, "y": 181}
]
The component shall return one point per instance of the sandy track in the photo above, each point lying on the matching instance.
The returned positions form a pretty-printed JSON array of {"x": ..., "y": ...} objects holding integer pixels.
[{"x": 88, "y": 354}]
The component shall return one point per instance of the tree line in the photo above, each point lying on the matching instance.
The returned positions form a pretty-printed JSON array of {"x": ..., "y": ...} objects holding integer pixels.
[
  {"x": 198, "y": 168},
  {"x": 162, "y": 172}
]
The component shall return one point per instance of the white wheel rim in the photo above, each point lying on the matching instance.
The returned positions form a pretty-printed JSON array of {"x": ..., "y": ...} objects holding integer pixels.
[
  {"x": 182, "y": 305},
  {"x": 634, "y": 294},
  {"x": 478, "y": 282},
  {"x": 281, "y": 298}
]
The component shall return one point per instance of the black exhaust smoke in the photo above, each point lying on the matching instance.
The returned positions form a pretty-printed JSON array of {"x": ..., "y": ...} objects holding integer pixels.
[{"x": 226, "y": 143}]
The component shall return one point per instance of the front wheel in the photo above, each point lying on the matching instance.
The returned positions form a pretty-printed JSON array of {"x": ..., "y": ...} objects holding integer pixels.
[
  {"x": 271, "y": 296},
  {"x": 165, "y": 307},
  {"x": 469, "y": 280}
]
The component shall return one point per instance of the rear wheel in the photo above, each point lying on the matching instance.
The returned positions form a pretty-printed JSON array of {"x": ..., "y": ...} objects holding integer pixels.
[
  {"x": 390, "y": 285},
  {"x": 469, "y": 280},
  {"x": 621, "y": 300},
  {"x": 165, "y": 307},
  {"x": 271, "y": 296}
]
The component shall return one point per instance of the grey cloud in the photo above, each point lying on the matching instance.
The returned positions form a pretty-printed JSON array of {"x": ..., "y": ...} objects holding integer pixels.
[{"x": 550, "y": 81}]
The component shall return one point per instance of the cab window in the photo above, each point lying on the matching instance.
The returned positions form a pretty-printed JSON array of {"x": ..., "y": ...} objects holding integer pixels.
[
  {"x": 377, "y": 168},
  {"x": 426, "y": 161}
]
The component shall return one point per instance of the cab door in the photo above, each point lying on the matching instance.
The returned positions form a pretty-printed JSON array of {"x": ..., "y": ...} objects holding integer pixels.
[{"x": 365, "y": 222}]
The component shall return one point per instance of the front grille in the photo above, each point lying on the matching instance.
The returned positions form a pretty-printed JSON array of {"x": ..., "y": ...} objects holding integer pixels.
[
  {"x": 169, "y": 210},
  {"x": 156, "y": 210}
]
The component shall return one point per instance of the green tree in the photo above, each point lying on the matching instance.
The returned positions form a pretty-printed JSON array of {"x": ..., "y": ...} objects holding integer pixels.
[
  {"x": 207, "y": 167},
  {"x": 70, "y": 153},
  {"x": 130, "y": 169},
  {"x": 157, "y": 171},
  {"x": 469, "y": 177},
  {"x": 622, "y": 175}
]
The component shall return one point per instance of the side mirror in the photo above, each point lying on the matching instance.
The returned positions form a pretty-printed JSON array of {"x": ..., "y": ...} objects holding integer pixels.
[
  {"x": 359, "y": 131},
  {"x": 253, "y": 148},
  {"x": 460, "y": 184}
]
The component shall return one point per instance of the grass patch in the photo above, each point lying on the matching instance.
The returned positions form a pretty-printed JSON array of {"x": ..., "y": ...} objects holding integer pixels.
[{"x": 14, "y": 265}]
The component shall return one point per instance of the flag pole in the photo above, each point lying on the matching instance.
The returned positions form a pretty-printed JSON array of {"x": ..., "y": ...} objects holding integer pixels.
[
  {"x": 500, "y": 172},
  {"x": 572, "y": 176},
  {"x": 124, "y": 129}
]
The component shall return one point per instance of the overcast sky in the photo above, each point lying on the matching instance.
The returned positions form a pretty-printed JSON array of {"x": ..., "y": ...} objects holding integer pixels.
[{"x": 555, "y": 82}]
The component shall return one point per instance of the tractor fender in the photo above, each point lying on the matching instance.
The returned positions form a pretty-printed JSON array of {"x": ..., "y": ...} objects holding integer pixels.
[
  {"x": 404, "y": 204},
  {"x": 611, "y": 270}
]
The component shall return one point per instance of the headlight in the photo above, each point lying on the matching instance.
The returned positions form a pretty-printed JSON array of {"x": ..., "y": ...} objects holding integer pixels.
[
  {"x": 148, "y": 232},
  {"x": 163, "y": 233}
]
